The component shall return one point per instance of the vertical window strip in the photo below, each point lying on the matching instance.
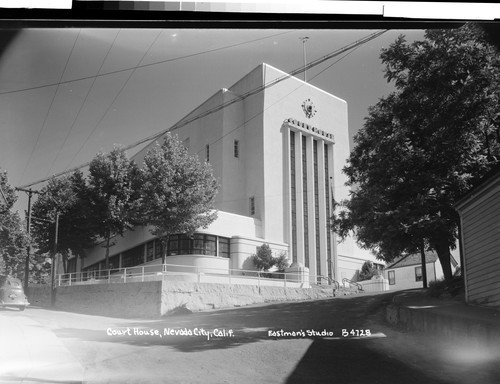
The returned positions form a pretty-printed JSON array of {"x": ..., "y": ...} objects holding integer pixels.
[
  {"x": 252, "y": 206},
  {"x": 316, "y": 207},
  {"x": 293, "y": 193},
  {"x": 304, "y": 197},
  {"x": 327, "y": 197},
  {"x": 207, "y": 151},
  {"x": 236, "y": 148}
]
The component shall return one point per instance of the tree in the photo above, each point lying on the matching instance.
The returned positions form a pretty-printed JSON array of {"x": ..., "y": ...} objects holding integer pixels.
[
  {"x": 282, "y": 262},
  {"x": 67, "y": 197},
  {"x": 424, "y": 145},
  {"x": 178, "y": 191},
  {"x": 368, "y": 270},
  {"x": 114, "y": 195},
  {"x": 263, "y": 259},
  {"x": 13, "y": 237}
]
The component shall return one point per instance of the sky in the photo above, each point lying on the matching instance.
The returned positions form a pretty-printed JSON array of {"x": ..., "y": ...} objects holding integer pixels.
[{"x": 66, "y": 94}]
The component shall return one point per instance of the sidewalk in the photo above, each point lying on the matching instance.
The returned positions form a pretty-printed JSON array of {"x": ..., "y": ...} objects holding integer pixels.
[
  {"x": 29, "y": 353},
  {"x": 417, "y": 311}
]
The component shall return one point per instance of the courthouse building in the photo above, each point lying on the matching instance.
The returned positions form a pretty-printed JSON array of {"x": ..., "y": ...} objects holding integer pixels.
[{"x": 277, "y": 147}]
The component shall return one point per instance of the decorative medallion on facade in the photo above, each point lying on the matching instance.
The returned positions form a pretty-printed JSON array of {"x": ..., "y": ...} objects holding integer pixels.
[{"x": 309, "y": 108}]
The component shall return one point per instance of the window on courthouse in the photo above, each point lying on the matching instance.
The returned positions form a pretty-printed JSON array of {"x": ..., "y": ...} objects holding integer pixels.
[
  {"x": 236, "y": 148},
  {"x": 252, "y": 206},
  {"x": 198, "y": 244},
  {"x": 392, "y": 277},
  {"x": 418, "y": 274},
  {"x": 207, "y": 152},
  {"x": 134, "y": 256},
  {"x": 224, "y": 250}
]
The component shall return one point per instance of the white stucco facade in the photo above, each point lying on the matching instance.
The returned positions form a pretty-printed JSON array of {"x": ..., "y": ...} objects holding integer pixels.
[{"x": 277, "y": 149}]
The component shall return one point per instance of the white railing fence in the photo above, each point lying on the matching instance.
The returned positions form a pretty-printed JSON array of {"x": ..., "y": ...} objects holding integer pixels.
[{"x": 174, "y": 272}]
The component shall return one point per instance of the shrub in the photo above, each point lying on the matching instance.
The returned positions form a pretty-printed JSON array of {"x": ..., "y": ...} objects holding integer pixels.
[
  {"x": 263, "y": 259},
  {"x": 282, "y": 262},
  {"x": 368, "y": 270},
  {"x": 443, "y": 288}
]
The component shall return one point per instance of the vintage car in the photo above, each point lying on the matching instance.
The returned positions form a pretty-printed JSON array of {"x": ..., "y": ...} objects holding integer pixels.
[{"x": 12, "y": 293}]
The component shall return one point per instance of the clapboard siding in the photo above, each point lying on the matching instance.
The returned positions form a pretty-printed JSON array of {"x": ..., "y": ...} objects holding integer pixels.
[
  {"x": 478, "y": 229},
  {"x": 481, "y": 239},
  {"x": 488, "y": 249},
  {"x": 486, "y": 298},
  {"x": 479, "y": 210},
  {"x": 484, "y": 230},
  {"x": 480, "y": 292},
  {"x": 487, "y": 282},
  {"x": 482, "y": 267}
]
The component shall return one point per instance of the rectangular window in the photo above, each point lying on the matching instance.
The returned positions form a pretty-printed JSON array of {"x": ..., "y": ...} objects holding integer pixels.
[
  {"x": 114, "y": 262},
  {"x": 328, "y": 232},
  {"x": 293, "y": 196},
  {"x": 150, "y": 251},
  {"x": 132, "y": 257},
  {"x": 392, "y": 277},
  {"x": 224, "y": 250},
  {"x": 304, "y": 197},
  {"x": 236, "y": 148},
  {"x": 158, "y": 249},
  {"x": 316, "y": 206},
  {"x": 207, "y": 152},
  {"x": 252, "y": 206},
  {"x": 173, "y": 245},
  {"x": 210, "y": 245},
  {"x": 418, "y": 274}
]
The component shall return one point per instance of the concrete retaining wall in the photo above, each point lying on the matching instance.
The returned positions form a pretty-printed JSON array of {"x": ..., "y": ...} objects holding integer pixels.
[
  {"x": 199, "y": 297},
  {"x": 156, "y": 298}
]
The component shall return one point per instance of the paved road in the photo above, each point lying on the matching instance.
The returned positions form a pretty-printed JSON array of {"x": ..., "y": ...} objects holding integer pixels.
[{"x": 278, "y": 343}]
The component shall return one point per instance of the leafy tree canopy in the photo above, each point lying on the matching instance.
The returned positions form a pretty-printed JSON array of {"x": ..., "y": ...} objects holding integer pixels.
[
  {"x": 114, "y": 194},
  {"x": 13, "y": 237},
  {"x": 424, "y": 145},
  {"x": 67, "y": 196},
  {"x": 178, "y": 190}
]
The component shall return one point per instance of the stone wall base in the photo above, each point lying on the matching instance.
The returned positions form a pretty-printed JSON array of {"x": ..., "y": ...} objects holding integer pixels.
[{"x": 157, "y": 298}]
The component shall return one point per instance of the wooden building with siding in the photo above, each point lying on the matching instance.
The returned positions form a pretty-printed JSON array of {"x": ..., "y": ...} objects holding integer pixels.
[{"x": 480, "y": 229}]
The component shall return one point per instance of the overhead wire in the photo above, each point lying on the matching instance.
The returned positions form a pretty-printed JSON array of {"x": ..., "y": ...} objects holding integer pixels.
[
  {"x": 142, "y": 65},
  {"x": 185, "y": 121},
  {"x": 276, "y": 102},
  {"x": 83, "y": 102},
  {"x": 42, "y": 128},
  {"x": 114, "y": 100}
]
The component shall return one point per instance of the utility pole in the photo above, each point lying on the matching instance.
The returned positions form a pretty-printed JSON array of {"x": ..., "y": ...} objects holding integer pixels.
[
  {"x": 53, "y": 264},
  {"x": 304, "y": 39},
  {"x": 28, "y": 229}
]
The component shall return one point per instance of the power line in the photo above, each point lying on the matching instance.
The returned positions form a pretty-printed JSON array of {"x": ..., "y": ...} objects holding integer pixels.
[
  {"x": 83, "y": 103},
  {"x": 184, "y": 122},
  {"x": 50, "y": 106},
  {"x": 260, "y": 113},
  {"x": 114, "y": 99},
  {"x": 142, "y": 65}
]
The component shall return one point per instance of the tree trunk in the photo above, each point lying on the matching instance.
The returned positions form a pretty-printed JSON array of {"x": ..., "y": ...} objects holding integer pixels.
[
  {"x": 424, "y": 265},
  {"x": 443, "y": 251},
  {"x": 106, "y": 263},
  {"x": 164, "y": 243}
]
